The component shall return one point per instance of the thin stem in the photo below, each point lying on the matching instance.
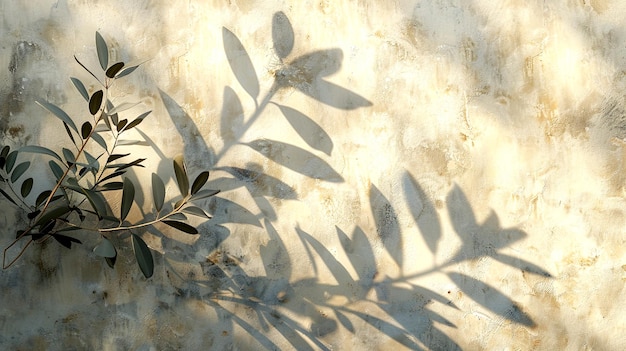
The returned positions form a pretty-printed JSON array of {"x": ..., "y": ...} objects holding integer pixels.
[
  {"x": 19, "y": 198},
  {"x": 144, "y": 224},
  {"x": 4, "y": 254},
  {"x": 54, "y": 190},
  {"x": 80, "y": 151}
]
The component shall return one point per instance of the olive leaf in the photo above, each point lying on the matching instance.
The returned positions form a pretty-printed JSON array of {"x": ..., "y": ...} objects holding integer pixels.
[
  {"x": 105, "y": 248},
  {"x": 181, "y": 175},
  {"x": 199, "y": 182},
  {"x": 58, "y": 112},
  {"x": 40, "y": 150},
  {"x": 10, "y": 160},
  {"x": 80, "y": 87},
  {"x": 143, "y": 256},
  {"x": 112, "y": 71},
  {"x": 128, "y": 196},
  {"x": 85, "y": 130},
  {"x": 184, "y": 227},
  {"x": 27, "y": 186},
  {"x": 196, "y": 211},
  {"x": 103, "y": 51},
  {"x": 158, "y": 191},
  {"x": 95, "y": 102},
  {"x": 19, "y": 170}
]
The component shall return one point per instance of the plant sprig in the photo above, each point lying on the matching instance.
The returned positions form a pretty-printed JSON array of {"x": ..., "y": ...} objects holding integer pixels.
[{"x": 81, "y": 179}]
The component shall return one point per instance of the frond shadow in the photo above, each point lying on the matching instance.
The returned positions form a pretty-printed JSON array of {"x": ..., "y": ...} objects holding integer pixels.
[{"x": 368, "y": 299}]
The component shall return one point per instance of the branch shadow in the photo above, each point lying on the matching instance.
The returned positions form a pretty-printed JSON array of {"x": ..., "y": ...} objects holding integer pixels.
[{"x": 307, "y": 313}]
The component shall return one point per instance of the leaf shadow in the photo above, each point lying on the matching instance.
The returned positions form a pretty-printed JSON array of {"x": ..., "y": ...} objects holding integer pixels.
[
  {"x": 297, "y": 159},
  {"x": 423, "y": 212},
  {"x": 387, "y": 226},
  {"x": 198, "y": 153},
  {"x": 396, "y": 306},
  {"x": 240, "y": 63},
  {"x": 305, "y": 74},
  {"x": 486, "y": 239},
  {"x": 309, "y": 130}
]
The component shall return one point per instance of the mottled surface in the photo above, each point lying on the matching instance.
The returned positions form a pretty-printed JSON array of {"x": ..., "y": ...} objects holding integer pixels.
[{"x": 396, "y": 174}]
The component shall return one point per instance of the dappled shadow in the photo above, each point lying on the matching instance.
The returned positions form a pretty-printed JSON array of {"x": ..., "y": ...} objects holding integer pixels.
[
  {"x": 360, "y": 297},
  {"x": 307, "y": 313}
]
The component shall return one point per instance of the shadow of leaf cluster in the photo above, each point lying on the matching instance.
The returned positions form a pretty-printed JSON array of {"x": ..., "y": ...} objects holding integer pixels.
[{"x": 365, "y": 300}]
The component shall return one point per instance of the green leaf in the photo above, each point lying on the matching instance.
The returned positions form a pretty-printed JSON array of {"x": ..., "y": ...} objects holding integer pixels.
[
  {"x": 128, "y": 196},
  {"x": 40, "y": 150},
  {"x": 10, "y": 162},
  {"x": 158, "y": 191},
  {"x": 202, "y": 194},
  {"x": 82, "y": 172},
  {"x": 127, "y": 71},
  {"x": 33, "y": 215},
  {"x": 181, "y": 175},
  {"x": 27, "y": 186},
  {"x": 132, "y": 142},
  {"x": 92, "y": 162},
  {"x": 72, "y": 183},
  {"x": 69, "y": 133},
  {"x": 69, "y": 156},
  {"x": 137, "y": 120},
  {"x": 177, "y": 217},
  {"x": 196, "y": 211},
  {"x": 126, "y": 165},
  {"x": 179, "y": 203},
  {"x": 103, "y": 51},
  {"x": 107, "y": 124},
  {"x": 98, "y": 139},
  {"x": 110, "y": 186},
  {"x": 66, "y": 240},
  {"x": 112, "y": 175},
  {"x": 115, "y": 157},
  {"x": 112, "y": 71},
  {"x": 133, "y": 124},
  {"x": 85, "y": 130},
  {"x": 58, "y": 112},
  {"x": 199, "y": 182},
  {"x": 105, "y": 249},
  {"x": 120, "y": 126},
  {"x": 111, "y": 260},
  {"x": 56, "y": 169},
  {"x": 81, "y": 88},
  {"x": 96, "y": 201},
  {"x": 86, "y": 69},
  {"x": 5, "y": 151},
  {"x": 19, "y": 170},
  {"x": 41, "y": 198},
  {"x": 95, "y": 102},
  {"x": 143, "y": 256},
  {"x": 181, "y": 226},
  {"x": 122, "y": 107},
  {"x": 52, "y": 214}
]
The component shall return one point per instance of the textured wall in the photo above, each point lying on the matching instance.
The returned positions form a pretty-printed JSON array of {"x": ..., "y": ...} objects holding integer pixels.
[{"x": 396, "y": 174}]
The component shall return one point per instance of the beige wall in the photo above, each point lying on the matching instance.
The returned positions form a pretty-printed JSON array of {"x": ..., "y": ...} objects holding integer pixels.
[{"x": 420, "y": 175}]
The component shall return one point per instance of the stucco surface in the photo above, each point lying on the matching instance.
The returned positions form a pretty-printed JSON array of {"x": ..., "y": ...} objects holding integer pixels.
[{"x": 395, "y": 175}]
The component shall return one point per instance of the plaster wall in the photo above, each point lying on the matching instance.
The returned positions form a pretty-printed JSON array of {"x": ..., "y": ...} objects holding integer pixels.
[{"x": 406, "y": 175}]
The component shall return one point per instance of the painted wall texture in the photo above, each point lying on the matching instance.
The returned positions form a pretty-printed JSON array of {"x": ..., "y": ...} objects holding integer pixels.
[{"x": 395, "y": 174}]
